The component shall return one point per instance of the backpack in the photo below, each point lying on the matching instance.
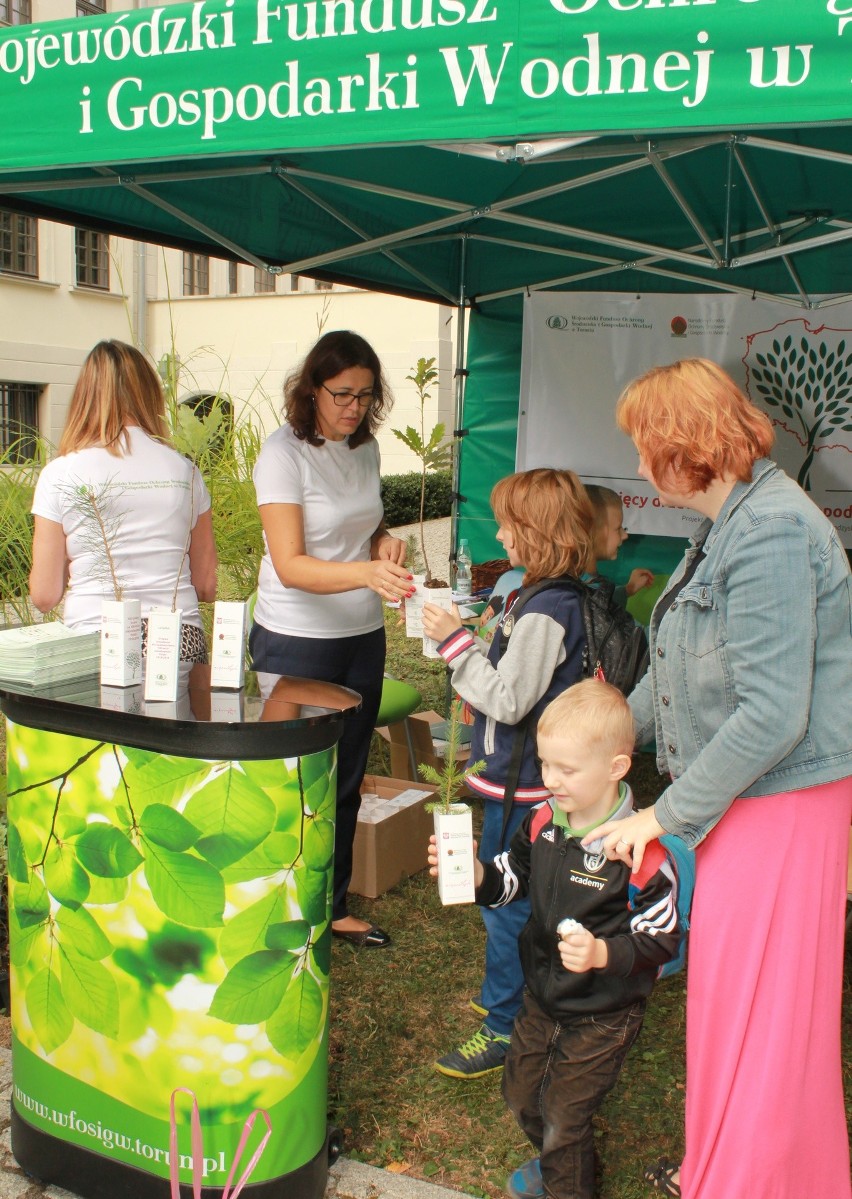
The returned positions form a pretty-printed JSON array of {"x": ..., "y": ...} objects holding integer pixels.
[
  {"x": 616, "y": 646},
  {"x": 616, "y": 651}
]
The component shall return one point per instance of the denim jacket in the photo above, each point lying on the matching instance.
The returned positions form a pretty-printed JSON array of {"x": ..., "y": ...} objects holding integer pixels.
[{"x": 748, "y": 689}]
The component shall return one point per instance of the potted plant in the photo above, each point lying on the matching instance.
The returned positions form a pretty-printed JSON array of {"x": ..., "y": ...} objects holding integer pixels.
[
  {"x": 453, "y": 820},
  {"x": 433, "y": 452}
]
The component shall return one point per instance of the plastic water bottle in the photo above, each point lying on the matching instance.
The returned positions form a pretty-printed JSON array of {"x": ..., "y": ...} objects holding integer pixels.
[{"x": 464, "y": 575}]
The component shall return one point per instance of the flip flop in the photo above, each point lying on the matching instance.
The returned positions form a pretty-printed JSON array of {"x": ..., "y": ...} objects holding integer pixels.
[{"x": 661, "y": 1177}]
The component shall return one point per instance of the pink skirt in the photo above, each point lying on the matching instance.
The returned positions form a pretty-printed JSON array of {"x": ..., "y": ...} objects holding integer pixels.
[{"x": 765, "y": 1112}]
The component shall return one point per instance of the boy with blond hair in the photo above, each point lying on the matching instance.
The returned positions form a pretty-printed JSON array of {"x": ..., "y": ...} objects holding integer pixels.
[{"x": 595, "y": 941}]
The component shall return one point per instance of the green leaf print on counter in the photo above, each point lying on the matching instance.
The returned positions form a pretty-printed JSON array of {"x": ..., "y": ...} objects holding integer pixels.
[
  {"x": 254, "y": 988},
  {"x": 150, "y": 895},
  {"x": 107, "y": 852},
  {"x": 185, "y": 889}
]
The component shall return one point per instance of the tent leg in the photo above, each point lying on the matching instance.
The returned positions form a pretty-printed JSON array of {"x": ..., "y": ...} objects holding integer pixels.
[{"x": 460, "y": 375}]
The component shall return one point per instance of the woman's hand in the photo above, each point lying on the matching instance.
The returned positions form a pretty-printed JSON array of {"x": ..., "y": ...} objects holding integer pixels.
[
  {"x": 625, "y": 840},
  {"x": 387, "y": 579},
  {"x": 389, "y": 549},
  {"x": 438, "y": 623}
]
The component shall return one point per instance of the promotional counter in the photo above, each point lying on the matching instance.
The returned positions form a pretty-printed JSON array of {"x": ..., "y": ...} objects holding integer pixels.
[{"x": 170, "y": 870}]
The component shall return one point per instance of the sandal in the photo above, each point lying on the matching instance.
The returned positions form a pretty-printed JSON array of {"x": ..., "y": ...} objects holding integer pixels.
[{"x": 661, "y": 1177}]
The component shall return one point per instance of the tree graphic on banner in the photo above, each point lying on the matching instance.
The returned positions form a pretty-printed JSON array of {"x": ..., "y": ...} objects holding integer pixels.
[{"x": 810, "y": 385}]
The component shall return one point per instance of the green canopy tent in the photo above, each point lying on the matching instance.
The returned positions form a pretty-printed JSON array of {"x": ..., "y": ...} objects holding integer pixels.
[{"x": 466, "y": 151}]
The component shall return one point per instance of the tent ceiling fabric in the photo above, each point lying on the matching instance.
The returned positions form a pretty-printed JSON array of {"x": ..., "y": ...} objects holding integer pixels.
[
  {"x": 765, "y": 210},
  {"x": 770, "y": 213}
]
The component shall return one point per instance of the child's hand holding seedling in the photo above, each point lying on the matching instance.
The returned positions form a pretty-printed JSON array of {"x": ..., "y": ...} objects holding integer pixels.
[{"x": 432, "y": 855}]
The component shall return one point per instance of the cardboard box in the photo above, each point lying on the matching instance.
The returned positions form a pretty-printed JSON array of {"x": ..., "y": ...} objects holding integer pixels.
[
  {"x": 424, "y": 748},
  {"x": 395, "y": 846}
]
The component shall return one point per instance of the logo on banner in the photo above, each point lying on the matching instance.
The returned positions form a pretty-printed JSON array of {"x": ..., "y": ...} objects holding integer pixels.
[
  {"x": 678, "y": 326},
  {"x": 802, "y": 378},
  {"x": 557, "y": 322}
]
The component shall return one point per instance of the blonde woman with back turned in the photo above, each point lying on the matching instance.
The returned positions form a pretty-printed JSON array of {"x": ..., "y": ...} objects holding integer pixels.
[{"x": 120, "y": 509}]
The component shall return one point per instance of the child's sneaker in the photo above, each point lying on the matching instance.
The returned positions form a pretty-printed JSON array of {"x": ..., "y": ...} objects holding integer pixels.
[
  {"x": 484, "y": 1052},
  {"x": 526, "y": 1182},
  {"x": 475, "y": 1005}
]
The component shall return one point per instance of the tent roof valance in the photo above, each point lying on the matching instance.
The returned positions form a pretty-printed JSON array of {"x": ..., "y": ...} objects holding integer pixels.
[{"x": 490, "y": 147}]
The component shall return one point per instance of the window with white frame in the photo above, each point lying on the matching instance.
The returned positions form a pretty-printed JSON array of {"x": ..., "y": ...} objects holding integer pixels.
[
  {"x": 19, "y": 420},
  {"x": 18, "y": 244},
  {"x": 196, "y": 274},
  {"x": 92, "y": 258},
  {"x": 233, "y": 278},
  {"x": 16, "y": 12},
  {"x": 90, "y": 8}
]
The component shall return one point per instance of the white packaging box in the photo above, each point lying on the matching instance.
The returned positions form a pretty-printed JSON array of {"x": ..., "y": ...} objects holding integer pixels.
[
  {"x": 229, "y": 645},
  {"x": 443, "y": 598},
  {"x": 162, "y": 655},
  {"x": 414, "y": 609},
  {"x": 454, "y": 842},
  {"x": 121, "y": 642}
]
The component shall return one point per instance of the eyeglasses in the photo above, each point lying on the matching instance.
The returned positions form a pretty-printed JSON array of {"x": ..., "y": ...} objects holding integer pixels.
[{"x": 344, "y": 398}]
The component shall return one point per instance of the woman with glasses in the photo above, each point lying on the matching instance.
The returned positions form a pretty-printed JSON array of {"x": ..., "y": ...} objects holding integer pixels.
[{"x": 329, "y": 562}]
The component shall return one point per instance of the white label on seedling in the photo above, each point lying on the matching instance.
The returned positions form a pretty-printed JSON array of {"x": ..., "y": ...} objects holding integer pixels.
[
  {"x": 442, "y": 597},
  {"x": 454, "y": 842},
  {"x": 229, "y": 641},
  {"x": 414, "y": 609},
  {"x": 121, "y": 642},
  {"x": 163, "y": 655}
]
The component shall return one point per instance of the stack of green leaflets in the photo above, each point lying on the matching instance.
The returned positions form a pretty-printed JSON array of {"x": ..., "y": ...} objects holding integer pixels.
[{"x": 42, "y": 655}]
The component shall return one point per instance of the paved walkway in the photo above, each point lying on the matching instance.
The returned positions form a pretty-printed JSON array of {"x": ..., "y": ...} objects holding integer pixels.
[
  {"x": 347, "y": 1179},
  {"x": 436, "y": 534}
]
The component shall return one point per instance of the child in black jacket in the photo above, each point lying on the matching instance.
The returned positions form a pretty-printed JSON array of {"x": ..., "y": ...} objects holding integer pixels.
[{"x": 592, "y": 947}]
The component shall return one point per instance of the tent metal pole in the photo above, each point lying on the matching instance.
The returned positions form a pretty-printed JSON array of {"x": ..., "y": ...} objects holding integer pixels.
[
  {"x": 827, "y": 239},
  {"x": 172, "y": 210},
  {"x": 460, "y": 375},
  {"x": 683, "y": 204},
  {"x": 284, "y": 178},
  {"x": 771, "y": 225}
]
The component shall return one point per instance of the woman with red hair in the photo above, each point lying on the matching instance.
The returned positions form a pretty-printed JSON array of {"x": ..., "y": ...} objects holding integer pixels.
[{"x": 751, "y": 658}]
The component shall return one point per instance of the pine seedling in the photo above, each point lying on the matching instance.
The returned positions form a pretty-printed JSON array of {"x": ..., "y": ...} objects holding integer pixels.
[{"x": 449, "y": 780}]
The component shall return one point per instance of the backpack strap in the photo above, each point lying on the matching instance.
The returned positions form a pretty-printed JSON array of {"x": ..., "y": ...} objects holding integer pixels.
[{"x": 524, "y": 727}]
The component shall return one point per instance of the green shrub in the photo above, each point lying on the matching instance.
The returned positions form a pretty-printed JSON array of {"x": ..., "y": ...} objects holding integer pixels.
[{"x": 401, "y": 497}]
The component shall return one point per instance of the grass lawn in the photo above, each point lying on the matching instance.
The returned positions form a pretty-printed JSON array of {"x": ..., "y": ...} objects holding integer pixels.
[{"x": 394, "y": 1011}]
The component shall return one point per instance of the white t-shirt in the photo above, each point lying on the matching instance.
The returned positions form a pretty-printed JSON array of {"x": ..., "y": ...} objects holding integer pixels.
[
  {"x": 338, "y": 492},
  {"x": 150, "y": 500}
]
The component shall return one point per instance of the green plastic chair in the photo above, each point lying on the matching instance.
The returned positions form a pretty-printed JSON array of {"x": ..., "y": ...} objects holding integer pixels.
[{"x": 399, "y": 700}]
